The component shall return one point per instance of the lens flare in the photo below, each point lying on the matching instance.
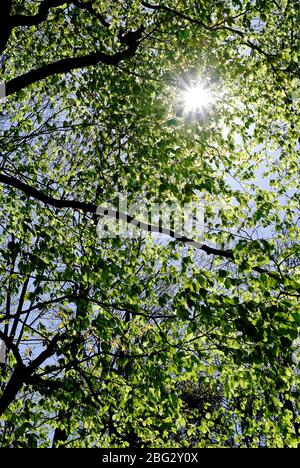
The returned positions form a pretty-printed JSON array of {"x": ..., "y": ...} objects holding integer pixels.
[{"x": 196, "y": 98}]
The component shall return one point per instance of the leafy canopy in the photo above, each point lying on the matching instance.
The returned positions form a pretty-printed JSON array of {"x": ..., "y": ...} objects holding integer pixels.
[{"x": 134, "y": 342}]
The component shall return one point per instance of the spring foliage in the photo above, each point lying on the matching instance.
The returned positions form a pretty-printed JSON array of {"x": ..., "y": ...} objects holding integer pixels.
[{"x": 135, "y": 342}]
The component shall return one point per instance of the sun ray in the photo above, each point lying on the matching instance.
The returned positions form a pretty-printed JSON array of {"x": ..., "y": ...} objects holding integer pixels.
[{"x": 196, "y": 98}]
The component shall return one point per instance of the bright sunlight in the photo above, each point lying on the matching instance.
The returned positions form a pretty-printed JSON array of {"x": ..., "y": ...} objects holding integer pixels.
[{"x": 196, "y": 97}]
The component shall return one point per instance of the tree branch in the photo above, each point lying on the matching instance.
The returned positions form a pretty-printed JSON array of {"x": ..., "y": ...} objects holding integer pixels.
[
  {"x": 22, "y": 373},
  {"x": 5, "y": 28},
  {"x": 9, "y": 22},
  {"x": 38, "y": 305},
  {"x": 11, "y": 346},
  {"x": 89, "y": 7},
  {"x": 179, "y": 14},
  {"x": 67, "y": 65},
  {"x": 93, "y": 209},
  {"x": 42, "y": 14},
  {"x": 47, "y": 353},
  {"x": 19, "y": 309},
  {"x": 46, "y": 199},
  {"x": 13, "y": 387},
  {"x": 50, "y": 385},
  {"x": 213, "y": 27}
]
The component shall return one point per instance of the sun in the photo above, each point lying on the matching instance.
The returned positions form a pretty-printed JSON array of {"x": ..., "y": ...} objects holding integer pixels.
[{"x": 196, "y": 98}]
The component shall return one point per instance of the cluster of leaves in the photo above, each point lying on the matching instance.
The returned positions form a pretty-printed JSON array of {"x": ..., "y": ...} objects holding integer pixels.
[{"x": 132, "y": 342}]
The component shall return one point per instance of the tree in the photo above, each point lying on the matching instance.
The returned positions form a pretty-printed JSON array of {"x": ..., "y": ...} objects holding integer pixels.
[{"x": 114, "y": 342}]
